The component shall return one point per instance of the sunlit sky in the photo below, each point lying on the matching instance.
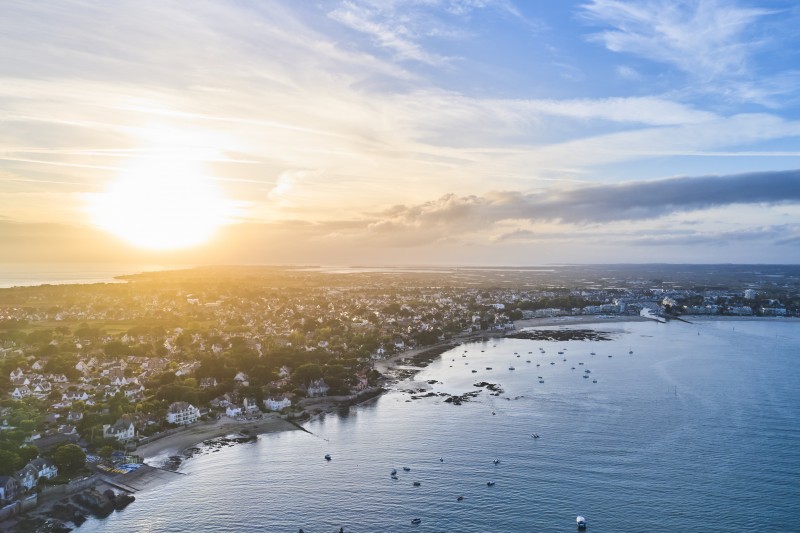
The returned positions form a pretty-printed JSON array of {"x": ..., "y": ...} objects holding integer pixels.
[{"x": 481, "y": 132}]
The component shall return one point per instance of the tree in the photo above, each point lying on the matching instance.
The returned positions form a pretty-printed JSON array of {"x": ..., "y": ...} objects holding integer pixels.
[
  {"x": 28, "y": 453},
  {"x": 69, "y": 458},
  {"x": 10, "y": 462},
  {"x": 105, "y": 452}
]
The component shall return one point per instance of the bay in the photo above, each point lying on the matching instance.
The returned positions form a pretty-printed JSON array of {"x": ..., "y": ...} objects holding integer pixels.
[{"x": 697, "y": 429}]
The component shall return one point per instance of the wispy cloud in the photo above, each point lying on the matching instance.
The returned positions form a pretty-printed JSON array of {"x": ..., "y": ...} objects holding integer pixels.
[{"x": 713, "y": 41}]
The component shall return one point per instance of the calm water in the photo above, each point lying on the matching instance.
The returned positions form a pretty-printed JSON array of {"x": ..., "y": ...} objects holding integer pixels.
[
  {"x": 689, "y": 433},
  {"x": 29, "y": 274}
]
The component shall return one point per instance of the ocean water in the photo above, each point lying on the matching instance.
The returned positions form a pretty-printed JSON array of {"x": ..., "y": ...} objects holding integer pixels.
[
  {"x": 31, "y": 274},
  {"x": 697, "y": 430}
]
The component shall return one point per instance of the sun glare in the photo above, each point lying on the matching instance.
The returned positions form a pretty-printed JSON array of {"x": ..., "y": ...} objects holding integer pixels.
[{"x": 162, "y": 204}]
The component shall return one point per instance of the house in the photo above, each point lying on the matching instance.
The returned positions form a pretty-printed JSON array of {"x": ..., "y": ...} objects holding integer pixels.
[
  {"x": 277, "y": 404},
  {"x": 206, "y": 383},
  {"x": 17, "y": 374},
  {"x": 251, "y": 406},
  {"x": 122, "y": 430},
  {"x": 317, "y": 387},
  {"x": 9, "y": 488},
  {"x": 182, "y": 413},
  {"x": 27, "y": 477},
  {"x": 233, "y": 411},
  {"x": 241, "y": 378},
  {"x": 46, "y": 467},
  {"x": 21, "y": 392}
]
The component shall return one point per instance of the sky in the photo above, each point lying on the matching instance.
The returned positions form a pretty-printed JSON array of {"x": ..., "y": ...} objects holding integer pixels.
[{"x": 381, "y": 132}]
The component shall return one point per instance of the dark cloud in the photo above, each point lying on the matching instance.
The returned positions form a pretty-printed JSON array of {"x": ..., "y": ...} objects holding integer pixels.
[{"x": 638, "y": 200}]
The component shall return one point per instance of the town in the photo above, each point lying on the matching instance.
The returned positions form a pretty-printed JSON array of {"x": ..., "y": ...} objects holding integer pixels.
[{"x": 90, "y": 372}]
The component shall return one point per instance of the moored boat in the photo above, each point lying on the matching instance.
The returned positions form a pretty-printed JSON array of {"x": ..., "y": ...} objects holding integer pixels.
[{"x": 581, "y": 522}]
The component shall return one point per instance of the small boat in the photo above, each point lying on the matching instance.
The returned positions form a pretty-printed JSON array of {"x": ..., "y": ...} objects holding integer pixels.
[
  {"x": 417, "y": 483},
  {"x": 594, "y": 381},
  {"x": 511, "y": 368},
  {"x": 535, "y": 435},
  {"x": 441, "y": 459},
  {"x": 610, "y": 356},
  {"x": 460, "y": 499},
  {"x": 631, "y": 351},
  {"x": 527, "y": 360},
  {"x": 474, "y": 371},
  {"x": 496, "y": 461},
  {"x": 587, "y": 371},
  {"x": 537, "y": 364},
  {"x": 490, "y": 483},
  {"x": 560, "y": 353},
  {"x": 541, "y": 381},
  {"x": 585, "y": 376},
  {"x": 580, "y": 363},
  {"x": 394, "y": 471},
  {"x": 552, "y": 363},
  {"x": 488, "y": 368},
  {"x": 407, "y": 469},
  {"x": 327, "y": 457},
  {"x": 581, "y": 522},
  {"x": 592, "y": 353},
  {"x": 416, "y": 521},
  {"x": 393, "y": 476}
]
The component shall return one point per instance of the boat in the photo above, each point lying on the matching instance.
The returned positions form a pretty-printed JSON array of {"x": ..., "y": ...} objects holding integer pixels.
[
  {"x": 407, "y": 468},
  {"x": 490, "y": 483},
  {"x": 581, "y": 522},
  {"x": 527, "y": 360},
  {"x": 592, "y": 353},
  {"x": 580, "y": 363},
  {"x": 496, "y": 461},
  {"x": 511, "y": 368},
  {"x": 488, "y": 368},
  {"x": 594, "y": 381},
  {"x": 474, "y": 371},
  {"x": 585, "y": 376},
  {"x": 416, "y": 521},
  {"x": 417, "y": 483},
  {"x": 587, "y": 371},
  {"x": 541, "y": 381},
  {"x": 460, "y": 499},
  {"x": 393, "y": 476},
  {"x": 327, "y": 457}
]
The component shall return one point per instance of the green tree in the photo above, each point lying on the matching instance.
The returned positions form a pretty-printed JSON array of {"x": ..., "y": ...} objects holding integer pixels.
[
  {"x": 28, "y": 453},
  {"x": 10, "y": 462},
  {"x": 69, "y": 458}
]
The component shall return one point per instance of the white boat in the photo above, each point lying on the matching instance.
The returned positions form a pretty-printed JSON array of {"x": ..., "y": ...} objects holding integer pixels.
[{"x": 581, "y": 522}]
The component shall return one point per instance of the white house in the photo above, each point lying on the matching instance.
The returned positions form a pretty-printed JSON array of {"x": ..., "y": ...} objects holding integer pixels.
[
  {"x": 318, "y": 387},
  {"x": 233, "y": 411},
  {"x": 277, "y": 405},
  {"x": 122, "y": 430},
  {"x": 21, "y": 392},
  {"x": 46, "y": 467},
  {"x": 182, "y": 413}
]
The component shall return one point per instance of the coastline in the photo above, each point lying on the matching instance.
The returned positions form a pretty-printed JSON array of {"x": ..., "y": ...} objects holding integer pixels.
[
  {"x": 195, "y": 434},
  {"x": 178, "y": 443}
]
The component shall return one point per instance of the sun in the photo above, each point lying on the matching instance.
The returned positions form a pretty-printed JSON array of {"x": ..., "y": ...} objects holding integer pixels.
[{"x": 161, "y": 203}]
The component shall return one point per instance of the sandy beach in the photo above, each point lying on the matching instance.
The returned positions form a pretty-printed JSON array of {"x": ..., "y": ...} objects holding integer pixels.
[{"x": 197, "y": 433}]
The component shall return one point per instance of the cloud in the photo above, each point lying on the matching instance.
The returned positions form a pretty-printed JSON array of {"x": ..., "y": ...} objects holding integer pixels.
[
  {"x": 715, "y": 42},
  {"x": 706, "y": 38},
  {"x": 642, "y": 200}
]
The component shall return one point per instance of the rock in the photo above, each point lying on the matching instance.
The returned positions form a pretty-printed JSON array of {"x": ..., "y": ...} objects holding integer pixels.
[{"x": 122, "y": 501}]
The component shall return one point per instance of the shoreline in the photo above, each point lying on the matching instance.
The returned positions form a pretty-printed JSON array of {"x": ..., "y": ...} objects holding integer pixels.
[{"x": 152, "y": 475}]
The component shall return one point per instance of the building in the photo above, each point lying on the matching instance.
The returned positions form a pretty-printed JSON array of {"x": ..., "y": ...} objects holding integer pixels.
[
  {"x": 318, "y": 387},
  {"x": 182, "y": 413},
  {"x": 9, "y": 488},
  {"x": 277, "y": 404},
  {"x": 750, "y": 294},
  {"x": 122, "y": 430}
]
